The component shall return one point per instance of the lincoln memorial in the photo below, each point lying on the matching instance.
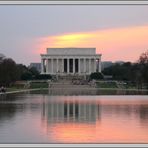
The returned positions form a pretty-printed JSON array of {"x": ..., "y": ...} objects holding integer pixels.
[{"x": 63, "y": 61}]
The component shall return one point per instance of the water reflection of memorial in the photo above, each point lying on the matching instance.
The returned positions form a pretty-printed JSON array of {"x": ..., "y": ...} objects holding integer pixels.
[
  {"x": 71, "y": 111},
  {"x": 87, "y": 120},
  {"x": 90, "y": 111}
]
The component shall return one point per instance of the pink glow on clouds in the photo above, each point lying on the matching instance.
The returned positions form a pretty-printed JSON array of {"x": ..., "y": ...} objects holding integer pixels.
[{"x": 114, "y": 44}]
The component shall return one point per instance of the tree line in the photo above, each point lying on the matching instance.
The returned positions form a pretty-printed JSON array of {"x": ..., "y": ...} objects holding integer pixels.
[
  {"x": 131, "y": 72},
  {"x": 136, "y": 73},
  {"x": 11, "y": 72}
]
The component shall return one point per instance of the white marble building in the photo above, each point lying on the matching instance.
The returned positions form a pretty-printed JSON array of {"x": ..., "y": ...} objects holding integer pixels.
[{"x": 63, "y": 61}]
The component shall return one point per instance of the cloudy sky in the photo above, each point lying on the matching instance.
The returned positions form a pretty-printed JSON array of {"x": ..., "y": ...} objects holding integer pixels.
[{"x": 119, "y": 32}]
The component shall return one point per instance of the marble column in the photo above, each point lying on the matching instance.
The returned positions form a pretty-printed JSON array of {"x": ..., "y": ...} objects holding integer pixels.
[
  {"x": 79, "y": 67},
  {"x": 47, "y": 66},
  {"x": 51, "y": 66},
  {"x": 73, "y": 65},
  {"x": 57, "y": 65},
  {"x": 84, "y": 65},
  {"x": 99, "y": 65},
  {"x": 62, "y": 65},
  {"x": 94, "y": 64},
  {"x": 67, "y": 65},
  {"x": 89, "y": 66},
  {"x": 42, "y": 65}
]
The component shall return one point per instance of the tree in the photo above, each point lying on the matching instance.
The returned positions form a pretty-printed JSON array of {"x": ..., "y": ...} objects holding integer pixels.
[
  {"x": 119, "y": 72},
  {"x": 26, "y": 76},
  {"x": 34, "y": 71},
  {"x": 143, "y": 62},
  {"x": 8, "y": 72},
  {"x": 143, "y": 59},
  {"x": 21, "y": 69},
  {"x": 43, "y": 77},
  {"x": 26, "y": 73},
  {"x": 96, "y": 76}
]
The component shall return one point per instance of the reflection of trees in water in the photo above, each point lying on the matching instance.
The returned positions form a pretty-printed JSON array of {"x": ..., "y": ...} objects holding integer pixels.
[
  {"x": 7, "y": 97},
  {"x": 12, "y": 104},
  {"x": 117, "y": 110},
  {"x": 7, "y": 112},
  {"x": 137, "y": 111},
  {"x": 13, "y": 97},
  {"x": 143, "y": 112},
  {"x": 71, "y": 111},
  {"x": 7, "y": 109}
]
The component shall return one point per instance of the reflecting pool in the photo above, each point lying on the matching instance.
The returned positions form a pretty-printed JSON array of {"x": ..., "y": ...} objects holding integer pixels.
[{"x": 36, "y": 117}]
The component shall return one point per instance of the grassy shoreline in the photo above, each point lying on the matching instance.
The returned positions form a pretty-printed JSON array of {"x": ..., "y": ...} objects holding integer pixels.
[
  {"x": 11, "y": 91},
  {"x": 102, "y": 86},
  {"x": 91, "y": 88}
]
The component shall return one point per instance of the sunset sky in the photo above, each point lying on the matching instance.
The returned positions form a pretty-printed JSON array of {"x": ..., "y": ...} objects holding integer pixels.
[{"x": 119, "y": 32}]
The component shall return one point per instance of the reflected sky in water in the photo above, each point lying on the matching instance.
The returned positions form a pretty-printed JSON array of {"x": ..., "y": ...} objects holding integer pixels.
[{"x": 43, "y": 118}]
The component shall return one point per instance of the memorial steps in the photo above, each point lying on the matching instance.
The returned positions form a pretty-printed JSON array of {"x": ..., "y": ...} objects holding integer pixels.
[{"x": 70, "y": 82}]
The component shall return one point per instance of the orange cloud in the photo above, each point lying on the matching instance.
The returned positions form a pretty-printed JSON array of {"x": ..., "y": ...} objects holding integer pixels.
[{"x": 114, "y": 44}]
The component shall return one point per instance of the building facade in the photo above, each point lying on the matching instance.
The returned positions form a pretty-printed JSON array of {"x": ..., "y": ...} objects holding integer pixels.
[{"x": 63, "y": 61}]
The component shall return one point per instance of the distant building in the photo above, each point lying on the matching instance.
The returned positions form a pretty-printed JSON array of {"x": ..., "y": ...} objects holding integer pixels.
[
  {"x": 36, "y": 65},
  {"x": 106, "y": 64}
]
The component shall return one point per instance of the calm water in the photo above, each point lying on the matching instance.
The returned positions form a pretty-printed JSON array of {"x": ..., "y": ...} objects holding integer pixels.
[{"x": 46, "y": 118}]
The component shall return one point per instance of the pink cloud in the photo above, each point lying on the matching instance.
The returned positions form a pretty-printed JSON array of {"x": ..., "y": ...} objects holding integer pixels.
[{"x": 114, "y": 44}]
